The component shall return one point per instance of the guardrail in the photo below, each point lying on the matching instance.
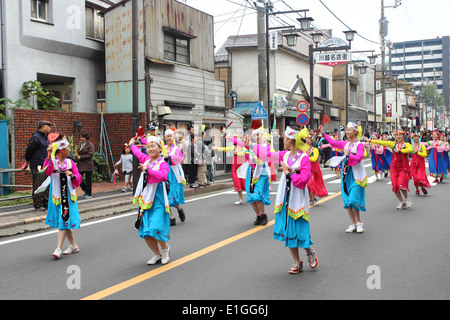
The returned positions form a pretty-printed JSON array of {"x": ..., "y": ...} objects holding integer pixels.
[{"x": 8, "y": 171}]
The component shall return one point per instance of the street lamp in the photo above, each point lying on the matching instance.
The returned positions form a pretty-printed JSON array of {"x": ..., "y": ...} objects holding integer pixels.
[
  {"x": 291, "y": 39},
  {"x": 305, "y": 23},
  {"x": 350, "y": 35},
  {"x": 373, "y": 59},
  {"x": 362, "y": 69},
  {"x": 316, "y": 37}
]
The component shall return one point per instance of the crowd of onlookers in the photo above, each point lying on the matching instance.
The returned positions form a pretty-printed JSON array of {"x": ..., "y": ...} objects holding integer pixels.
[{"x": 198, "y": 153}]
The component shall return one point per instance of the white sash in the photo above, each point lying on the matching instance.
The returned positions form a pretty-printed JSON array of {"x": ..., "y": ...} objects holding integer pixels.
[
  {"x": 54, "y": 180},
  {"x": 145, "y": 196},
  {"x": 298, "y": 205},
  {"x": 258, "y": 171},
  {"x": 359, "y": 172},
  {"x": 177, "y": 169}
]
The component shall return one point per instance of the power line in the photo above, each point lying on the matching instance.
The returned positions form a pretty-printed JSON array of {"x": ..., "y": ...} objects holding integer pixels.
[{"x": 345, "y": 23}]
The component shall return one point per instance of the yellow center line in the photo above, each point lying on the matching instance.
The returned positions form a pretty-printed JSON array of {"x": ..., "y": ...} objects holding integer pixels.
[{"x": 145, "y": 276}]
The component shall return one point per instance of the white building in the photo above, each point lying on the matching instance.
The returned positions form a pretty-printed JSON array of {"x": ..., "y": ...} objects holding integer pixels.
[
  {"x": 424, "y": 61},
  {"x": 60, "y": 44}
]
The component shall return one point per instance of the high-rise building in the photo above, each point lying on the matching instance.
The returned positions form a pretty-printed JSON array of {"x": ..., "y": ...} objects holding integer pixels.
[{"x": 424, "y": 61}]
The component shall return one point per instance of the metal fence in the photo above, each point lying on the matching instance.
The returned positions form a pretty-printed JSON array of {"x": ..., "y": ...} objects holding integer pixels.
[{"x": 9, "y": 171}]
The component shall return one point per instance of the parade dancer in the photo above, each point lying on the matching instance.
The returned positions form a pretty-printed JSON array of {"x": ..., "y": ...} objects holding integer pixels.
[
  {"x": 176, "y": 179},
  {"x": 256, "y": 174},
  {"x": 436, "y": 164},
  {"x": 378, "y": 158},
  {"x": 445, "y": 150},
  {"x": 292, "y": 202},
  {"x": 353, "y": 178},
  {"x": 238, "y": 160},
  {"x": 316, "y": 186},
  {"x": 63, "y": 178},
  {"x": 153, "y": 220},
  {"x": 387, "y": 152},
  {"x": 400, "y": 170},
  {"x": 418, "y": 165}
]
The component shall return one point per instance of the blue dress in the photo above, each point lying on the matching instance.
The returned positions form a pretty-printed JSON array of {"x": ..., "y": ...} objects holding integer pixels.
[
  {"x": 436, "y": 158},
  {"x": 379, "y": 162},
  {"x": 176, "y": 191},
  {"x": 156, "y": 221},
  {"x": 446, "y": 162},
  {"x": 294, "y": 233},
  {"x": 54, "y": 218},
  {"x": 388, "y": 156},
  {"x": 261, "y": 190},
  {"x": 356, "y": 194}
]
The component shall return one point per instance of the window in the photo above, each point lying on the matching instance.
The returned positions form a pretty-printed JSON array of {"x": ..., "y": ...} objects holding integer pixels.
[
  {"x": 94, "y": 24},
  {"x": 176, "y": 48},
  {"x": 353, "y": 89},
  {"x": 39, "y": 9},
  {"x": 323, "y": 87},
  {"x": 369, "y": 99},
  {"x": 101, "y": 96}
]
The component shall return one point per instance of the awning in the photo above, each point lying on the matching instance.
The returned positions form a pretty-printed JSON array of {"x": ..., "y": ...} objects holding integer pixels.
[
  {"x": 245, "y": 108},
  {"x": 157, "y": 61}
]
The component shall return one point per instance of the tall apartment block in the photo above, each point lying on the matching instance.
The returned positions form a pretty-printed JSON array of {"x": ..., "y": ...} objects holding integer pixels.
[{"x": 424, "y": 61}]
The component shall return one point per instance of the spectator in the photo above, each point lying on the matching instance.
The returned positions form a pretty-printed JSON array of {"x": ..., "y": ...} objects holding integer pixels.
[
  {"x": 35, "y": 155},
  {"x": 126, "y": 160},
  {"x": 201, "y": 148},
  {"x": 209, "y": 158},
  {"x": 85, "y": 163},
  {"x": 192, "y": 155}
]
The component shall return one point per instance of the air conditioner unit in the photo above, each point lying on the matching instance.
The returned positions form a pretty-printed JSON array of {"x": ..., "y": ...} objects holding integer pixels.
[{"x": 164, "y": 110}]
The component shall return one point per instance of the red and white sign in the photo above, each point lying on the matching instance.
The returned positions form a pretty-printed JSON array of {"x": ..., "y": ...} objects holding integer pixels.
[
  {"x": 332, "y": 58},
  {"x": 389, "y": 109},
  {"x": 302, "y": 106}
]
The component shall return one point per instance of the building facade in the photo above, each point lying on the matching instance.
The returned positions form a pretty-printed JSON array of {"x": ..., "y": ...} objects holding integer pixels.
[
  {"x": 58, "y": 43},
  {"x": 289, "y": 79},
  {"x": 424, "y": 61},
  {"x": 177, "y": 85},
  {"x": 346, "y": 93}
]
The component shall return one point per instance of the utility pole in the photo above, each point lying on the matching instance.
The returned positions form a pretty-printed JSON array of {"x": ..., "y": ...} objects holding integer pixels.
[
  {"x": 134, "y": 53},
  {"x": 383, "y": 67},
  {"x": 262, "y": 65}
]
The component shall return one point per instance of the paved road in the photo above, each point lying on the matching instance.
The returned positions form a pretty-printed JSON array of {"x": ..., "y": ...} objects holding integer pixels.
[{"x": 218, "y": 254}]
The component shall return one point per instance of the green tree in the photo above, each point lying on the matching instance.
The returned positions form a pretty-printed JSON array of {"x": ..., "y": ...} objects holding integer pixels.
[
  {"x": 21, "y": 103},
  {"x": 432, "y": 97},
  {"x": 45, "y": 98}
]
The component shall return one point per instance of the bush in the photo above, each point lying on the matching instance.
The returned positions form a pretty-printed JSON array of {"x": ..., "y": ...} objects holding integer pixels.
[{"x": 101, "y": 171}]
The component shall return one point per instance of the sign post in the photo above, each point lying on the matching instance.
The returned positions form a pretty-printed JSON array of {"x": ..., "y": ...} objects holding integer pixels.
[
  {"x": 302, "y": 107},
  {"x": 259, "y": 113}
]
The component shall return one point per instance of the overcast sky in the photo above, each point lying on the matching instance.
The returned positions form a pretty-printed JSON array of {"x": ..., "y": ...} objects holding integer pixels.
[{"x": 412, "y": 20}]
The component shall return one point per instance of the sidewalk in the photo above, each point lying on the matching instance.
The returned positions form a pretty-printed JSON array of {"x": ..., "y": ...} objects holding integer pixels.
[{"x": 105, "y": 202}]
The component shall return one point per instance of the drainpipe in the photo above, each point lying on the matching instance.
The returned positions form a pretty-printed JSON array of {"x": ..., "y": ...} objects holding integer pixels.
[{"x": 148, "y": 79}]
